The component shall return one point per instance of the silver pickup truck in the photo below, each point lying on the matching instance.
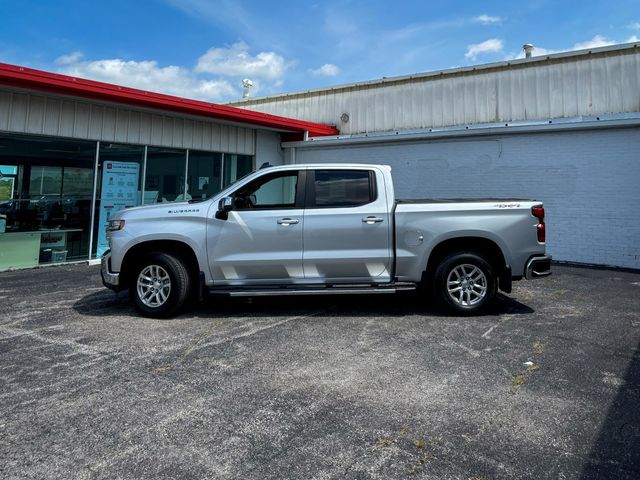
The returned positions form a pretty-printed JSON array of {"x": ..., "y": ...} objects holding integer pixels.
[{"x": 323, "y": 229}]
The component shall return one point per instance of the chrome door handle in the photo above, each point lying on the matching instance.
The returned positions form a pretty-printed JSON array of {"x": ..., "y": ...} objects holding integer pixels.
[
  {"x": 288, "y": 221},
  {"x": 371, "y": 220}
]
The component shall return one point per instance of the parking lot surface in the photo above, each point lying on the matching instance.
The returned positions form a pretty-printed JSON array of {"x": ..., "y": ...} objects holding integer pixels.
[{"x": 547, "y": 385}]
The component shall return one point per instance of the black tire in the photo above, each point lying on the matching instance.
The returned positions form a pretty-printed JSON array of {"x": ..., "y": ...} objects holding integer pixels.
[
  {"x": 152, "y": 297},
  {"x": 473, "y": 283}
]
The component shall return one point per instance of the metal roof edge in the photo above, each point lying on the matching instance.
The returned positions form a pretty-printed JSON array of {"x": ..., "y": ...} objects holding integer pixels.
[
  {"x": 23, "y": 77},
  {"x": 540, "y": 126},
  {"x": 578, "y": 54}
]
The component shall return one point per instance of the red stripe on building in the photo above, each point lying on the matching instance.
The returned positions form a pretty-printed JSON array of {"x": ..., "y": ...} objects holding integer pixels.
[{"x": 28, "y": 78}]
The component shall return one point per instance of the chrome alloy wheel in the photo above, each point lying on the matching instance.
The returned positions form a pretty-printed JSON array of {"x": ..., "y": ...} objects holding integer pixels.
[
  {"x": 154, "y": 286},
  {"x": 466, "y": 285}
]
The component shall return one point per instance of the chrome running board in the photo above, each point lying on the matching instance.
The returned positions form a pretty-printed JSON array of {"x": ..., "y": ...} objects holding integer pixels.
[{"x": 315, "y": 290}]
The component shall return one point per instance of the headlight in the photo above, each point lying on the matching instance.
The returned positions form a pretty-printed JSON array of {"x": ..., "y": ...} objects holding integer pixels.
[{"x": 114, "y": 225}]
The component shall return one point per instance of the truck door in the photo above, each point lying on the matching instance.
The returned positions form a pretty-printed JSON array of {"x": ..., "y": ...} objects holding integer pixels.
[
  {"x": 347, "y": 231},
  {"x": 261, "y": 240}
]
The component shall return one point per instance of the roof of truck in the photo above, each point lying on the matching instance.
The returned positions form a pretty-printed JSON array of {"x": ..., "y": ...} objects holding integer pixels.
[{"x": 343, "y": 166}]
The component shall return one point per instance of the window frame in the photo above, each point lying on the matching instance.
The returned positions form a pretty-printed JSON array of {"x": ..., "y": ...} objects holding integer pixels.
[
  {"x": 311, "y": 188},
  {"x": 300, "y": 190}
]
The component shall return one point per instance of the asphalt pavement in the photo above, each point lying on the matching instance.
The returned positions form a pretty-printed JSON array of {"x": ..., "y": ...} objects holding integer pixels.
[{"x": 546, "y": 385}]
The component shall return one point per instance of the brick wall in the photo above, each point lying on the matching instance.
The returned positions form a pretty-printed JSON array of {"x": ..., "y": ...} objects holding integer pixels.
[{"x": 589, "y": 182}]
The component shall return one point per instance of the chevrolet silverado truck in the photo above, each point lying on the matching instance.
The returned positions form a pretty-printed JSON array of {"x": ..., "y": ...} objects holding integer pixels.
[{"x": 322, "y": 229}]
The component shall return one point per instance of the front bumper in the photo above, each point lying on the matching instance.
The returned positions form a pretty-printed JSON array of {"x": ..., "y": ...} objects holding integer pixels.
[
  {"x": 538, "y": 267},
  {"x": 109, "y": 279}
]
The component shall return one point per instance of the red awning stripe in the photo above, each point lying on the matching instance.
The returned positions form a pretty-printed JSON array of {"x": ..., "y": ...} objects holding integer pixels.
[{"x": 22, "y": 77}]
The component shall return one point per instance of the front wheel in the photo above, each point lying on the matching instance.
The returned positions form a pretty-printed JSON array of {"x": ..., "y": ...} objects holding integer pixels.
[
  {"x": 465, "y": 282},
  {"x": 160, "y": 285}
]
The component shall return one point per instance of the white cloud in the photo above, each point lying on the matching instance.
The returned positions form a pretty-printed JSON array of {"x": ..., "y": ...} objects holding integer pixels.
[
  {"x": 72, "y": 57},
  {"x": 237, "y": 62},
  {"x": 327, "y": 70},
  {"x": 493, "y": 45},
  {"x": 595, "y": 42},
  {"x": 485, "y": 19},
  {"x": 217, "y": 75},
  {"x": 148, "y": 75},
  {"x": 634, "y": 26},
  {"x": 632, "y": 39}
]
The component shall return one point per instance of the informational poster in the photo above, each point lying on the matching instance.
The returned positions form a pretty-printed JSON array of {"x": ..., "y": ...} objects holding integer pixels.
[{"x": 119, "y": 190}]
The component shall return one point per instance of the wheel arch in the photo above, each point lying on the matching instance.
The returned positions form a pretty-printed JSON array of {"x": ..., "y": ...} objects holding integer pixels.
[
  {"x": 172, "y": 247},
  {"x": 480, "y": 245}
]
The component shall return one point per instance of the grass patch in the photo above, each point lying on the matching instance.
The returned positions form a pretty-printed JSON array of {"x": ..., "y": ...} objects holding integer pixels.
[
  {"x": 161, "y": 369},
  {"x": 533, "y": 368},
  {"x": 418, "y": 449},
  {"x": 521, "y": 378},
  {"x": 384, "y": 442},
  {"x": 538, "y": 348}
]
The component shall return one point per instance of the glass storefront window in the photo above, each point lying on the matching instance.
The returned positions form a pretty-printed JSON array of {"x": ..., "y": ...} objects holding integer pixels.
[
  {"x": 43, "y": 185},
  {"x": 165, "y": 175},
  {"x": 47, "y": 191},
  {"x": 77, "y": 181},
  {"x": 45, "y": 181},
  {"x": 8, "y": 175},
  {"x": 204, "y": 174},
  {"x": 235, "y": 167}
]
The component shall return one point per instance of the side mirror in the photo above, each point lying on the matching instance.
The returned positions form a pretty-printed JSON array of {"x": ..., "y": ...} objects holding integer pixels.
[{"x": 225, "y": 205}]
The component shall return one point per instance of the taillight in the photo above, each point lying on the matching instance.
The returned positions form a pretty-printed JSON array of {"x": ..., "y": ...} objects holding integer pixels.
[
  {"x": 538, "y": 212},
  {"x": 542, "y": 234}
]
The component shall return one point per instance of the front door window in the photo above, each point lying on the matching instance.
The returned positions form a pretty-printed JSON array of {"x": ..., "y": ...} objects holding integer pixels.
[
  {"x": 261, "y": 239},
  {"x": 269, "y": 192}
]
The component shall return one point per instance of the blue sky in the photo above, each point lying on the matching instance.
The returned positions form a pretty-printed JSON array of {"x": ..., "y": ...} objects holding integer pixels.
[{"x": 203, "y": 49}]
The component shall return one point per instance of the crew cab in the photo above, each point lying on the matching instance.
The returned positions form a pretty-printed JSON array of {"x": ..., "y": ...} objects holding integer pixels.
[{"x": 323, "y": 229}]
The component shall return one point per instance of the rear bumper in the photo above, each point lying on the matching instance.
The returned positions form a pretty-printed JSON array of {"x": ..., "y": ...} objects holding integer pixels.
[
  {"x": 538, "y": 267},
  {"x": 109, "y": 279}
]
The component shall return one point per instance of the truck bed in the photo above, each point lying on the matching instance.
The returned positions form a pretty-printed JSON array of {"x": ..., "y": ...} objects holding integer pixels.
[{"x": 461, "y": 200}]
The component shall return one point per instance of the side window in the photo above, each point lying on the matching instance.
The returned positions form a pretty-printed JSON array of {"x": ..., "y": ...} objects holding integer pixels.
[
  {"x": 268, "y": 192},
  {"x": 343, "y": 188}
]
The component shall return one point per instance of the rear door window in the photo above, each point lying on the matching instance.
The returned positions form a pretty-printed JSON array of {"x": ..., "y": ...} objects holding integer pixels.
[{"x": 343, "y": 188}]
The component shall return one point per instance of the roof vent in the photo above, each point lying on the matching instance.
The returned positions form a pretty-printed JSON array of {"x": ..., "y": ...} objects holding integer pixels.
[
  {"x": 246, "y": 86},
  {"x": 528, "y": 50}
]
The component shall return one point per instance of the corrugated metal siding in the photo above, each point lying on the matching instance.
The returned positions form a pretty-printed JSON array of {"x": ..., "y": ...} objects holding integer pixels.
[
  {"x": 26, "y": 112},
  {"x": 584, "y": 85}
]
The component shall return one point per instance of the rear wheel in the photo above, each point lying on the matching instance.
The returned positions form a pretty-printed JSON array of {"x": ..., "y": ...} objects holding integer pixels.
[
  {"x": 160, "y": 285},
  {"x": 465, "y": 282}
]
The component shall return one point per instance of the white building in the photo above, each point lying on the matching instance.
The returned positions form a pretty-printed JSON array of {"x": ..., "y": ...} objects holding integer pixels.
[
  {"x": 74, "y": 151},
  {"x": 561, "y": 128}
]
